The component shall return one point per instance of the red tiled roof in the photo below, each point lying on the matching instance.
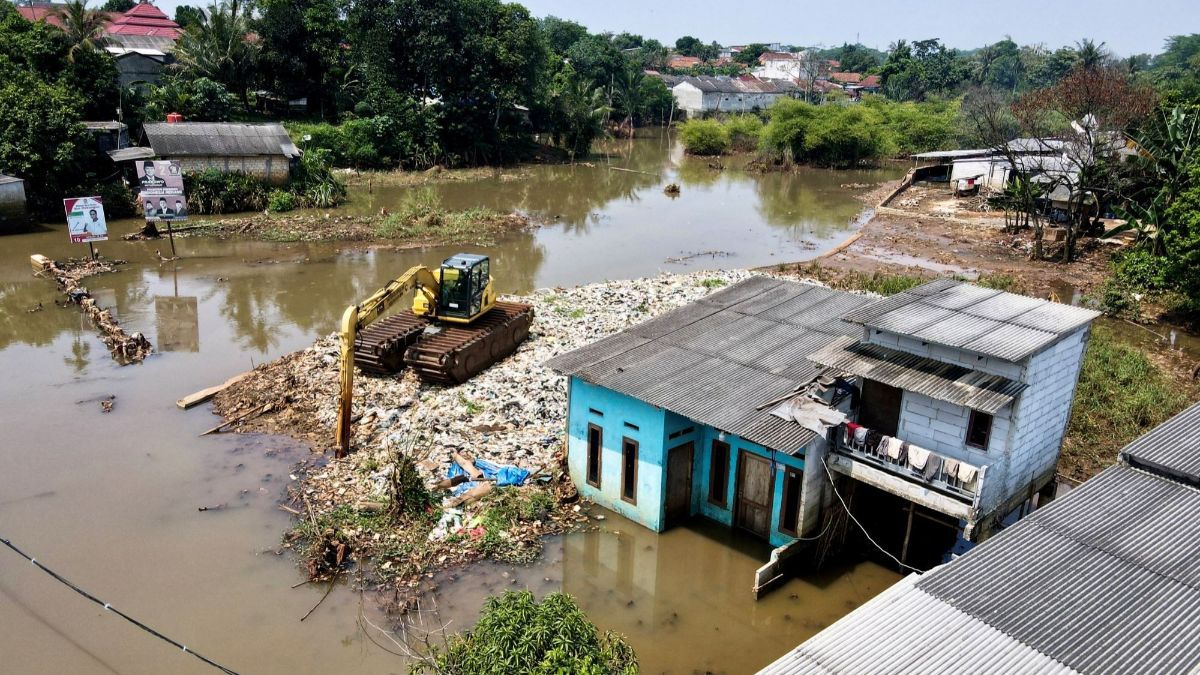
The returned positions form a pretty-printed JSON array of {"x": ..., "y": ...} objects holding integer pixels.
[
  {"x": 683, "y": 61},
  {"x": 144, "y": 19},
  {"x": 852, "y": 78},
  {"x": 834, "y": 63},
  {"x": 775, "y": 56},
  {"x": 44, "y": 12},
  {"x": 871, "y": 81}
]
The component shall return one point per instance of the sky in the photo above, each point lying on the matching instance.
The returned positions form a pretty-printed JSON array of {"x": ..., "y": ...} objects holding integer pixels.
[{"x": 1127, "y": 26}]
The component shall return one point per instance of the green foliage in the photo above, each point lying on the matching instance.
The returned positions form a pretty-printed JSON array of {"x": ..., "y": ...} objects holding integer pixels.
[
  {"x": 198, "y": 100},
  {"x": 117, "y": 5},
  {"x": 704, "y": 137},
  {"x": 1121, "y": 394},
  {"x": 828, "y": 135},
  {"x": 217, "y": 49},
  {"x": 422, "y": 215},
  {"x": 401, "y": 137},
  {"x": 578, "y": 112},
  {"x": 187, "y": 16},
  {"x": 854, "y": 58},
  {"x": 923, "y": 68},
  {"x": 314, "y": 184},
  {"x": 302, "y": 50},
  {"x": 1181, "y": 241},
  {"x": 750, "y": 53},
  {"x": 280, "y": 200},
  {"x": 1000, "y": 282},
  {"x": 712, "y": 283},
  {"x": 917, "y": 127},
  {"x": 518, "y": 634},
  {"x": 213, "y": 191},
  {"x": 1139, "y": 268},
  {"x": 41, "y": 139},
  {"x": 744, "y": 132}
]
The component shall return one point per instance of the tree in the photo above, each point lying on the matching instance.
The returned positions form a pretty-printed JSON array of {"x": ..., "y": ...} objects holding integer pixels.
[
  {"x": 1176, "y": 72},
  {"x": 302, "y": 54},
  {"x": 561, "y": 33},
  {"x": 689, "y": 46},
  {"x": 579, "y": 112},
  {"x": 82, "y": 27},
  {"x": 750, "y": 53},
  {"x": 187, "y": 16},
  {"x": 221, "y": 49},
  {"x": 1091, "y": 55},
  {"x": 924, "y": 68},
  {"x": 117, "y": 5},
  {"x": 854, "y": 58},
  {"x": 999, "y": 65}
]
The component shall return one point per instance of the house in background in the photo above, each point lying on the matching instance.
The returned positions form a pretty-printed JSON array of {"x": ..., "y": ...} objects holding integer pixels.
[
  {"x": 698, "y": 96},
  {"x": 781, "y": 66},
  {"x": 264, "y": 151},
  {"x": 108, "y": 136},
  {"x": 679, "y": 62},
  {"x": 12, "y": 200},
  {"x": 948, "y": 400}
]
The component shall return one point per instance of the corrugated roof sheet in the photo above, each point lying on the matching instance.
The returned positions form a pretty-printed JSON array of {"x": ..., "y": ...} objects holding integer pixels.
[
  {"x": 1104, "y": 580},
  {"x": 942, "y": 381},
  {"x": 1172, "y": 448},
  {"x": 979, "y": 320},
  {"x": 905, "y": 630},
  {"x": 219, "y": 139},
  {"x": 715, "y": 361},
  {"x": 9, "y": 179}
]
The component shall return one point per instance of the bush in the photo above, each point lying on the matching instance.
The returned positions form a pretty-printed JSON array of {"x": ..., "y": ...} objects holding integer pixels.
[
  {"x": 375, "y": 142},
  {"x": 704, "y": 137},
  {"x": 314, "y": 184},
  {"x": 517, "y": 634},
  {"x": 744, "y": 132},
  {"x": 281, "y": 200},
  {"x": 214, "y": 191},
  {"x": 1140, "y": 269}
]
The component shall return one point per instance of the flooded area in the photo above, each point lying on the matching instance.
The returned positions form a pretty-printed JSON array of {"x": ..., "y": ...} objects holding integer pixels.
[{"x": 111, "y": 500}]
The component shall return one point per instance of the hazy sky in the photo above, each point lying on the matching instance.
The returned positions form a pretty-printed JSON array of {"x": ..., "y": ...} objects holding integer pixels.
[{"x": 1128, "y": 26}]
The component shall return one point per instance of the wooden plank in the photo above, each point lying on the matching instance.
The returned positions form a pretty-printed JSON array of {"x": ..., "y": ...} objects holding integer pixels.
[
  {"x": 192, "y": 400},
  {"x": 468, "y": 466},
  {"x": 39, "y": 262},
  {"x": 477, "y": 492}
]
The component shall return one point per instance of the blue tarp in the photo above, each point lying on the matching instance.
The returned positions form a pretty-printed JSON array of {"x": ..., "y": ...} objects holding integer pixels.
[{"x": 502, "y": 474}]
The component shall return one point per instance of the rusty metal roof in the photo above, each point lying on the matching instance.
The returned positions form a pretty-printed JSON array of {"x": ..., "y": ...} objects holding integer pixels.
[
  {"x": 936, "y": 379},
  {"x": 1171, "y": 449},
  {"x": 1103, "y": 580},
  {"x": 214, "y": 139},
  {"x": 979, "y": 320},
  {"x": 716, "y": 360}
]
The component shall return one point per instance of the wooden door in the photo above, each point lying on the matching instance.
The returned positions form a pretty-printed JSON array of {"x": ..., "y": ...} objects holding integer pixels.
[
  {"x": 879, "y": 408},
  {"x": 755, "y": 486},
  {"x": 679, "y": 484}
]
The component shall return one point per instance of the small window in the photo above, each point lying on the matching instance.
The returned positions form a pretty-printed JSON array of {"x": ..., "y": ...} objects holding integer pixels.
[
  {"x": 682, "y": 432},
  {"x": 629, "y": 467},
  {"x": 718, "y": 474},
  {"x": 789, "y": 509},
  {"x": 595, "y": 412},
  {"x": 594, "y": 448},
  {"x": 632, "y": 426},
  {"x": 979, "y": 430}
]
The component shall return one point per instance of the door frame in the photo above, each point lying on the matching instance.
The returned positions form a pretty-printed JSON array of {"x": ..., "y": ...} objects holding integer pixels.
[
  {"x": 668, "y": 520},
  {"x": 737, "y": 493}
]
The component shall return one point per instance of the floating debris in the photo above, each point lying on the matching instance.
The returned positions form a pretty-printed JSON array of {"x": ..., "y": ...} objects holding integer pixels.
[{"x": 125, "y": 348}]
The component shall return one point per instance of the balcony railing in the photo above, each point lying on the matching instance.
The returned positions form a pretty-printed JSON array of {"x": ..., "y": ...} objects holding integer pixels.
[{"x": 945, "y": 478}]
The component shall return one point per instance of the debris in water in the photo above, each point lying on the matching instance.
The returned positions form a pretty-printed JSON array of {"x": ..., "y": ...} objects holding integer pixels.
[{"x": 125, "y": 348}]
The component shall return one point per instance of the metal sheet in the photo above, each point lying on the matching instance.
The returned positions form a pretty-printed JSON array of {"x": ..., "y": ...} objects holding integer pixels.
[{"x": 1172, "y": 448}]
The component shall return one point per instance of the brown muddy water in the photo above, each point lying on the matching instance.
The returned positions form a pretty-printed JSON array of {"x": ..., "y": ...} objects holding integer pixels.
[{"x": 111, "y": 500}]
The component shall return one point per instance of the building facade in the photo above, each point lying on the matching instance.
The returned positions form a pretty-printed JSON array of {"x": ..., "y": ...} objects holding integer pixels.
[
  {"x": 264, "y": 151},
  {"x": 698, "y": 96},
  {"x": 12, "y": 200}
]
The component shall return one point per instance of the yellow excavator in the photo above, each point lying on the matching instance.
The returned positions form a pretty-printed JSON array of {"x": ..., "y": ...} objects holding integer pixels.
[{"x": 455, "y": 329}]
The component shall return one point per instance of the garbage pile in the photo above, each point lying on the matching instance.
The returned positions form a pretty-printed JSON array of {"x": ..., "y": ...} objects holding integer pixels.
[{"x": 125, "y": 348}]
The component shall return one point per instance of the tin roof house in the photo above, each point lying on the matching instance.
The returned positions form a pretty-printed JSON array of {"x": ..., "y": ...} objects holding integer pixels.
[
  {"x": 264, "y": 151},
  {"x": 708, "y": 94},
  {"x": 743, "y": 406}
]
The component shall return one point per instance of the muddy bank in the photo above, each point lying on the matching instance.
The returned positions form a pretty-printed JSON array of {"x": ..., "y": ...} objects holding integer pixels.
[
  {"x": 410, "y": 229},
  {"x": 512, "y": 414}
]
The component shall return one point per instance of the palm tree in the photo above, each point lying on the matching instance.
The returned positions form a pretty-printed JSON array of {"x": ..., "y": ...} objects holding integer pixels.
[
  {"x": 629, "y": 95},
  {"x": 82, "y": 27},
  {"x": 581, "y": 112},
  {"x": 1091, "y": 55},
  {"x": 222, "y": 48}
]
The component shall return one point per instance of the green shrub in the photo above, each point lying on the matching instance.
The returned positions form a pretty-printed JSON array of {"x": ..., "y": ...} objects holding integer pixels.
[
  {"x": 214, "y": 191},
  {"x": 704, "y": 137},
  {"x": 1141, "y": 269},
  {"x": 518, "y": 634},
  {"x": 744, "y": 132},
  {"x": 314, "y": 183},
  {"x": 281, "y": 200}
]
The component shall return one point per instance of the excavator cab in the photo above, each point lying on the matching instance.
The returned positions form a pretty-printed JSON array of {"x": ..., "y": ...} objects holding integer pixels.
[{"x": 464, "y": 289}]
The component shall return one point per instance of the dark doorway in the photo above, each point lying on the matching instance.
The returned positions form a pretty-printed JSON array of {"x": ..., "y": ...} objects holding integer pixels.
[
  {"x": 755, "y": 485},
  {"x": 679, "y": 484},
  {"x": 880, "y": 407}
]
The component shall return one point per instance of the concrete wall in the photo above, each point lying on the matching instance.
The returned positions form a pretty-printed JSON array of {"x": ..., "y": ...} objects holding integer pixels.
[
  {"x": 274, "y": 169},
  {"x": 688, "y": 98},
  {"x": 983, "y": 364},
  {"x": 12, "y": 201},
  {"x": 133, "y": 68}
]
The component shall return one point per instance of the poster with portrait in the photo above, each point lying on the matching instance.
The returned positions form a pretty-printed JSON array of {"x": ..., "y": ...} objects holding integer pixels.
[
  {"x": 85, "y": 219},
  {"x": 160, "y": 190}
]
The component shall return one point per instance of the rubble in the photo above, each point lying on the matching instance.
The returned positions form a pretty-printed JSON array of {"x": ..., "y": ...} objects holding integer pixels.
[{"x": 125, "y": 348}]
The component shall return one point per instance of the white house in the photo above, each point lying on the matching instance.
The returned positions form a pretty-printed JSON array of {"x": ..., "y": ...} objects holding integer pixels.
[
  {"x": 782, "y": 66},
  {"x": 700, "y": 95},
  {"x": 978, "y": 382}
]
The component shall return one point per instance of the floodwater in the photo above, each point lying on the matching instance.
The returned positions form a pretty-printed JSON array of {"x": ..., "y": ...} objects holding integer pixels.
[{"x": 111, "y": 500}]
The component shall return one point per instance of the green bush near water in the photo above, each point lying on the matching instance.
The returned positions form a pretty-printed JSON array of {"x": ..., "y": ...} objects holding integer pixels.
[
  {"x": 704, "y": 137},
  {"x": 312, "y": 185},
  {"x": 518, "y": 634},
  {"x": 744, "y": 132}
]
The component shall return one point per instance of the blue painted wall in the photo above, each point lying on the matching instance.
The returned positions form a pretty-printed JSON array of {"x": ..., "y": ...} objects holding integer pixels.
[{"x": 654, "y": 434}]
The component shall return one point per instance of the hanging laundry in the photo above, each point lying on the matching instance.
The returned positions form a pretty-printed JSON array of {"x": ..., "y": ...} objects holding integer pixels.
[
  {"x": 860, "y": 435},
  {"x": 932, "y": 466},
  {"x": 809, "y": 414},
  {"x": 917, "y": 457},
  {"x": 966, "y": 473},
  {"x": 903, "y": 458},
  {"x": 872, "y": 440},
  {"x": 893, "y": 447},
  {"x": 950, "y": 467}
]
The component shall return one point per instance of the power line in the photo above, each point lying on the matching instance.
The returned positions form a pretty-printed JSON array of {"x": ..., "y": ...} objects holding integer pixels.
[
  {"x": 58, "y": 577},
  {"x": 860, "y": 525}
]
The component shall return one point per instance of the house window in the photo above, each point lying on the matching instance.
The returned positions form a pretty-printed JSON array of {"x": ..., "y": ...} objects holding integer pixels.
[
  {"x": 629, "y": 466},
  {"x": 632, "y": 426},
  {"x": 789, "y": 509},
  {"x": 979, "y": 430},
  {"x": 595, "y": 412},
  {"x": 595, "y": 444},
  {"x": 718, "y": 474}
]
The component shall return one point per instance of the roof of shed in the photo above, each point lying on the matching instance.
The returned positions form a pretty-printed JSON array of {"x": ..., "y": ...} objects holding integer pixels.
[
  {"x": 1171, "y": 449},
  {"x": 936, "y": 379},
  {"x": 1103, "y": 580},
  {"x": 716, "y": 360},
  {"x": 9, "y": 179},
  {"x": 728, "y": 85},
  {"x": 219, "y": 139},
  {"x": 976, "y": 319}
]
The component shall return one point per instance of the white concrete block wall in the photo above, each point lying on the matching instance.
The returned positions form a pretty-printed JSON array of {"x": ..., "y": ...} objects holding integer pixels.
[
  {"x": 904, "y": 343},
  {"x": 688, "y": 97}
]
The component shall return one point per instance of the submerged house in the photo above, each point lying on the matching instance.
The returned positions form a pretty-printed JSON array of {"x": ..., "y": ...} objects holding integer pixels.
[
  {"x": 697, "y": 96},
  {"x": 742, "y": 406},
  {"x": 264, "y": 151}
]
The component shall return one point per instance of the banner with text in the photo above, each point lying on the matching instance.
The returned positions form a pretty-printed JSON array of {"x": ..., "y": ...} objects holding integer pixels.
[
  {"x": 85, "y": 219},
  {"x": 161, "y": 191}
]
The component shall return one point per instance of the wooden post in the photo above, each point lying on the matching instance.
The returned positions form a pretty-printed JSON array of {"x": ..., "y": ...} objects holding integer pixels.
[
  {"x": 171, "y": 235},
  {"x": 91, "y": 250},
  {"x": 907, "y": 534},
  {"x": 346, "y": 377}
]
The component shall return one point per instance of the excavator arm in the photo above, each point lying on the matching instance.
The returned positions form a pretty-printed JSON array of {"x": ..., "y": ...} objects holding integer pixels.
[{"x": 364, "y": 314}]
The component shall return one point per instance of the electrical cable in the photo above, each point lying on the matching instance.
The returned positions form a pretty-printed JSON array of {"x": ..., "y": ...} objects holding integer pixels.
[
  {"x": 59, "y": 578},
  {"x": 860, "y": 525}
]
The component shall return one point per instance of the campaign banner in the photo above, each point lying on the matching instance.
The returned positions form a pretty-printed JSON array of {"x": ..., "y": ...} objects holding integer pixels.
[
  {"x": 85, "y": 219},
  {"x": 160, "y": 190}
]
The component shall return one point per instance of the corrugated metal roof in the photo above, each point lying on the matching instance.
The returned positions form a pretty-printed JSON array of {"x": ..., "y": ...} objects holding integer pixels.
[
  {"x": 715, "y": 361},
  {"x": 219, "y": 139},
  {"x": 905, "y": 630},
  {"x": 1104, "y": 580},
  {"x": 133, "y": 152},
  {"x": 979, "y": 320},
  {"x": 9, "y": 179},
  {"x": 1172, "y": 448},
  {"x": 942, "y": 381}
]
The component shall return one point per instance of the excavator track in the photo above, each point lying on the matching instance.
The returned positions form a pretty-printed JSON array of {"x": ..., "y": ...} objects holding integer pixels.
[
  {"x": 456, "y": 353},
  {"x": 379, "y": 348}
]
